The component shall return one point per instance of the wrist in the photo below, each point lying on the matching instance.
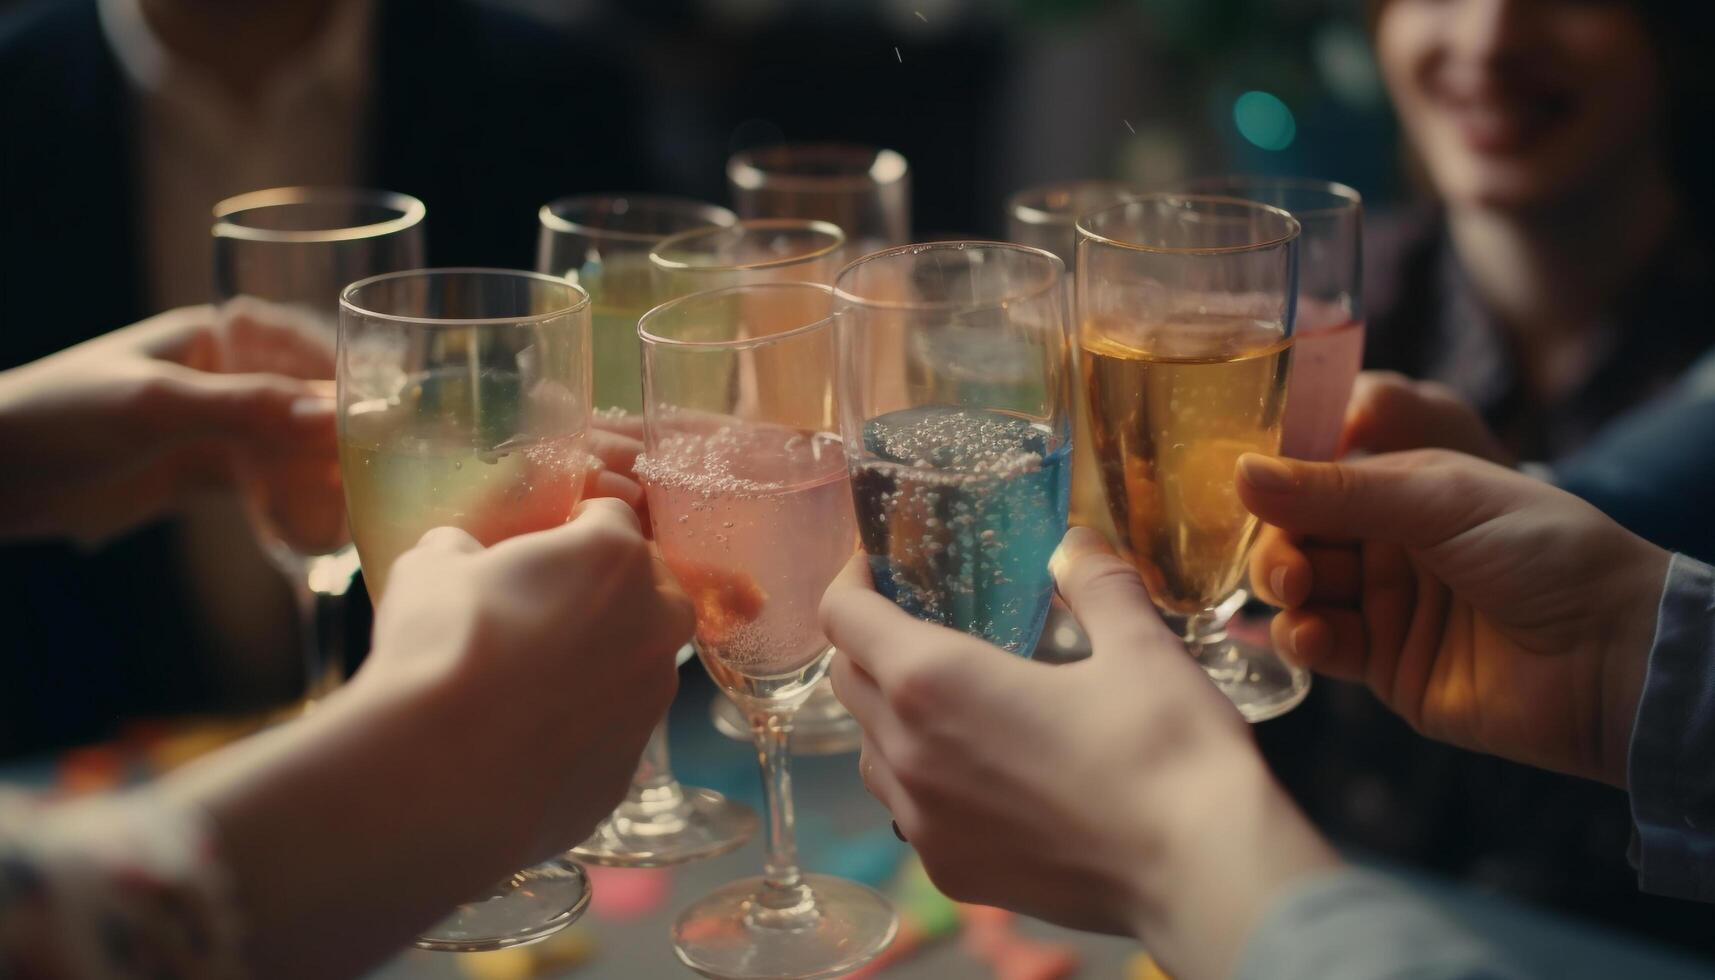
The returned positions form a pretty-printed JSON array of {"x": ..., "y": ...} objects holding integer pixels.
[
  {"x": 1625, "y": 657},
  {"x": 1234, "y": 847}
]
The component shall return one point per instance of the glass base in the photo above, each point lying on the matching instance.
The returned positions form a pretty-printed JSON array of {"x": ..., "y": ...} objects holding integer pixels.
[
  {"x": 679, "y": 824},
  {"x": 1258, "y": 682},
  {"x": 730, "y": 936},
  {"x": 822, "y": 725},
  {"x": 529, "y": 906}
]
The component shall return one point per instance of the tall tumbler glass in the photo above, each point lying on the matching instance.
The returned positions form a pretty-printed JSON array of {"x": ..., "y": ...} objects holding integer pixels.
[
  {"x": 753, "y": 514},
  {"x": 958, "y": 425},
  {"x": 1046, "y": 217},
  {"x": 1185, "y": 308},
  {"x": 602, "y": 243},
  {"x": 1328, "y": 340},
  {"x": 864, "y": 190},
  {"x": 281, "y": 257},
  {"x": 464, "y": 401}
]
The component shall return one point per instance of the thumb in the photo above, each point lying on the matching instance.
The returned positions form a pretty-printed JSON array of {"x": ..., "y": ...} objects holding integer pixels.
[
  {"x": 1107, "y": 596},
  {"x": 1418, "y": 499},
  {"x": 267, "y": 407}
]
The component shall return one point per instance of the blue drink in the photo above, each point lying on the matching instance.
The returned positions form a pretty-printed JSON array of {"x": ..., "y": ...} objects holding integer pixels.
[{"x": 959, "y": 511}]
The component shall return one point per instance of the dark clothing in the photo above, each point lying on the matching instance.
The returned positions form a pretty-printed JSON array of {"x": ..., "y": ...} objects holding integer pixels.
[
  {"x": 1359, "y": 771},
  {"x": 483, "y": 115}
]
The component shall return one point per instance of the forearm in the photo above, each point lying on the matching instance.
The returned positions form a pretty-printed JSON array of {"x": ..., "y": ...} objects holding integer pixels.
[
  {"x": 349, "y": 830},
  {"x": 1242, "y": 844},
  {"x": 1353, "y": 925}
]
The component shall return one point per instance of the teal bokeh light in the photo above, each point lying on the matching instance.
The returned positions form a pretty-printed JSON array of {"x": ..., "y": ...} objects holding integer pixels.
[{"x": 1264, "y": 120}]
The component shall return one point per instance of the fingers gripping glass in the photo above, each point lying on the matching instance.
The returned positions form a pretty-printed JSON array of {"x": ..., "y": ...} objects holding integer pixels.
[
  {"x": 1185, "y": 306},
  {"x": 464, "y": 401},
  {"x": 752, "y": 513}
]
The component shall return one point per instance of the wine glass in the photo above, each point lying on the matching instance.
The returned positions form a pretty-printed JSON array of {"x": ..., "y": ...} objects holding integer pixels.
[
  {"x": 464, "y": 401},
  {"x": 753, "y": 514},
  {"x": 1185, "y": 310},
  {"x": 1046, "y": 217},
  {"x": 1328, "y": 339},
  {"x": 957, "y": 429},
  {"x": 864, "y": 190},
  {"x": 281, "y": 257},
  {"x": 602, "y": 243}
]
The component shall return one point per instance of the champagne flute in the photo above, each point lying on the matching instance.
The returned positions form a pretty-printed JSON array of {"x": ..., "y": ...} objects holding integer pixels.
[
  {"x": 602, "y": 243},
  {"x": 464, "y": 401},
  {"x": 958, "y": 449},
  {"x": 281, "y": 257},
  {"x": 1185, "y": 309},
  {"x": 752, "y": 511},
  {"x": 865, "y": 191},
  {"x": 1046, "y": 217},
  {"x": 1328, "y": 339}
]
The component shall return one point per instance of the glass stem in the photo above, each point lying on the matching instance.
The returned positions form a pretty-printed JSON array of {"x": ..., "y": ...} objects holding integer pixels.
[
  {"x": 654, "y": 794},
  {"x": 321, "y": 615},
  {"x": 784, "y": 901}
]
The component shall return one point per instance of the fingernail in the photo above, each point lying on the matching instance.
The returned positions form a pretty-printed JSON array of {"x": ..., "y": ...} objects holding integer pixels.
[
  {"x": 312, "y": 407},
  {"x": 1295, "y": 643},
  {"x": 1078, "y": 542},
  {"x": 899, "y": 833},
  {"x": 1266, "y": 473},
  {"x": 1277, "y": 582}
]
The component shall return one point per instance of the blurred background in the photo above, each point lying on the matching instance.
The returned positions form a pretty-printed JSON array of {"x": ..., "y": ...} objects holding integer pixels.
[{"x": 113, "y": 152}]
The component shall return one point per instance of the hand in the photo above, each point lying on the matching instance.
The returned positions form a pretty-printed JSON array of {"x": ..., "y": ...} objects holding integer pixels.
[
  {"x": 1488, "y": 609},
  {"x": 506, "y": 700},
  {"x": 1390, "y": 412},
  {"x": 1120, "y": 793},
  {"x": 123, "y": 428},
  {"x": 562, "y": 642}
]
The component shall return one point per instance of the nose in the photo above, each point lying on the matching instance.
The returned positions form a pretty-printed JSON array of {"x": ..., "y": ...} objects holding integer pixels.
[{"x": 1489, "y": 32}]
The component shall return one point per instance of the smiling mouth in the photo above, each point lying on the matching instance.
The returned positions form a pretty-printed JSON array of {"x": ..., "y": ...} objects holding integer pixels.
[{"x": 1505, "y": 125}]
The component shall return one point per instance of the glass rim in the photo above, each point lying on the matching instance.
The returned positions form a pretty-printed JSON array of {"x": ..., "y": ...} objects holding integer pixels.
[
  {"x": 747, "y": 172},
  {"x": 1292, "y": 226},
  {"x": 1017, "y": 207},
  {"x": 1058, "y": 273},
  {"x": 1225, "y": 184},
  {"x": 411, "y": 212},
  {"x": 551, "y": 219},
  {"x": 348, "y": 305},
  {"x": 825, "y": 228},
  {"x": 708, "y": 295}
]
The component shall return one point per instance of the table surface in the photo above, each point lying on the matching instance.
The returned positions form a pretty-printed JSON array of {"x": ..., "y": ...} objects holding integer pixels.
[{"x": 844, "y": 831}]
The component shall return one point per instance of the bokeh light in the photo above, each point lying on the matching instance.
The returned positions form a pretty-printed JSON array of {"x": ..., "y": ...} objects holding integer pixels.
[{"x": 1264, "y": 120}]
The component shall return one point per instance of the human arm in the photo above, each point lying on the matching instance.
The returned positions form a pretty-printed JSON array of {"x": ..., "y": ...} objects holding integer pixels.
[
  {"x": 506, "y": 700},
  {"x": 126, "y": 427}
]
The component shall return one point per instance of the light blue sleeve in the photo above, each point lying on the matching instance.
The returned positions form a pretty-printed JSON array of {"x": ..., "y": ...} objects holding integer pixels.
[
  {"x": 1672, "y": 756},
  {"x": 1357, "y": 925}
]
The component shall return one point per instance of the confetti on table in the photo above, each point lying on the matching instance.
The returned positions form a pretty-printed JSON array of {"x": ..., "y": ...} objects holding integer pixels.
[
  {"x": 553, "y": 956},
  {"x": 1143, "y": 967},
  {"x": 628, "y": 894}
]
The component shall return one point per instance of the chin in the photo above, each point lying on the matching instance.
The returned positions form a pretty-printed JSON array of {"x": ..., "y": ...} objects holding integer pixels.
[{"x": 1507, "y": 185}]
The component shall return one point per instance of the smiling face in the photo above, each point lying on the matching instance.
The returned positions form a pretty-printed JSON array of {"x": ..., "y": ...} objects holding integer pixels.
[{"x": 1519, "y": 103}]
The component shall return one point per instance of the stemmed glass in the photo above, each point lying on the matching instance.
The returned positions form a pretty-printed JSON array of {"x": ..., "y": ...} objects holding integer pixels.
[
  {"x": 866, "y": 191},
  {"x": 753, "y": 514},
  {"x": 1328, "y": 339},
  {"x": 602, "y": 243},
  {"x": 1185, "y": 309},
  {"x": 958, "y": 449},
  {"x": 281, "y": 257},
  {"x": 464, "y": 401}
]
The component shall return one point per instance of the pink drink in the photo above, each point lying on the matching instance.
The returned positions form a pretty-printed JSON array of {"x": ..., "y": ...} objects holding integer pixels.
[
  {"x": 1327, "y": 351},
  {"x": 754, "y": 521}
]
